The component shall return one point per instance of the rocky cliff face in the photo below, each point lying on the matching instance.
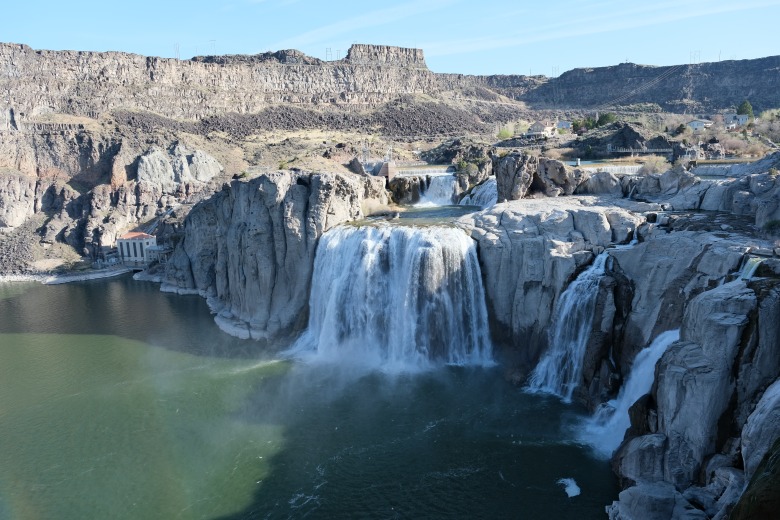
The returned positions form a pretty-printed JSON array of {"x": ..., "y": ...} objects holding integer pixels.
[
  {"x": 250, "y": 248},
  {"x": 529, "y": 251},
  {"x": 86, "y": 186},
  {"x": 92, "y": 83},
  {"x": 680, "y": 88}
]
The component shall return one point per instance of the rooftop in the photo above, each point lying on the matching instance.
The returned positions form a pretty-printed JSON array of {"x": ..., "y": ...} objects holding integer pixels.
[{"x": 135, "y": 235}]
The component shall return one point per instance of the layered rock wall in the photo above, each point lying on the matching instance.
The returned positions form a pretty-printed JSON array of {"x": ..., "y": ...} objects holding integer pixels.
[
  {"x": 91, "y": 83},
  {"x": 250, "y": 248}
]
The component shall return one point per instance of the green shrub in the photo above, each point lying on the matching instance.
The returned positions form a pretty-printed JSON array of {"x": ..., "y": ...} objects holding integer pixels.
[
  {"x": 504, "y": 133},
  {"x": 773, "y": 227}
]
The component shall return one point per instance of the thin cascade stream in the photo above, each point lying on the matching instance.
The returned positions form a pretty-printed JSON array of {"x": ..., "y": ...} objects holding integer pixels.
[
  {"x": 559, "y": 371},
  {"x": 606, "y": 429},
  {"x": 483, "y": 195},
  {"x": 440, "y": 191}
]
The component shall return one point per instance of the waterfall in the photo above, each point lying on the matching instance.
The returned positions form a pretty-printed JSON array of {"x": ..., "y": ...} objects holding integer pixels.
[
  {"x": 749, "y": 268},
  {"x": 397, "y": 298},
  {"x": 606, "y": 429},
  {"x": 560, "y": 369},
  {"x": 440, "y": 191},
  {"x": 483, "y": 195}
]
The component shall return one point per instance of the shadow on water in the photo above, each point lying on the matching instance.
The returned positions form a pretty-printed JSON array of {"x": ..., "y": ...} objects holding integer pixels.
[
  {"x": 126, "y": 308},
  {"x": 450, "y": 443}
]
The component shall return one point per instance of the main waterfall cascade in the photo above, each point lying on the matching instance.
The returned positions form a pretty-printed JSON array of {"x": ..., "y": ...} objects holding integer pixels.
[
  {"x": 483, "y": 195},
  {"x": 606, "y": 429},
  {"x": 397, "y": 298},
  {"x": 440, "y": 190},
  {"x": 560, "y": 369}
]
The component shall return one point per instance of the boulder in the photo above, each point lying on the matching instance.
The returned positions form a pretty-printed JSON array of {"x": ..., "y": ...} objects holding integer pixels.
[
  {"x": 600, "y": 183},
  {"x": 407, "y": 189},
  {"x": 653, "y": 501},
  {"x": 641, "y": 459},
  {"x": 761, "y": 499},
  {"x": 762, "y": 429},
  {"x": 514, "y": 174},
  {"x": 554, "y": 178}
]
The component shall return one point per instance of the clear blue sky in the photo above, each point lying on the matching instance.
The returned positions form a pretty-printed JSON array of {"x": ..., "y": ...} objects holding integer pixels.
[{"x": 485, "y": 37}]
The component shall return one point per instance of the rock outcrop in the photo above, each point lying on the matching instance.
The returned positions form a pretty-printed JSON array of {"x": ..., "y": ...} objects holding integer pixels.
[
  {"x": 710, "y": 426},
  {"x": 694, "y": 87},
  {"x": 520, "y": 175},
  {"x": 529, "y": 251},
  {"x": 249, "y": 249},
  {"x": 17, "y": 198},
  {"x": 756, "y": 193}
]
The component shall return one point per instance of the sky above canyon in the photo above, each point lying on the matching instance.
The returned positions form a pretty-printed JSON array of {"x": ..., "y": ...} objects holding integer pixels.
[{"x": 463, "y": 36}]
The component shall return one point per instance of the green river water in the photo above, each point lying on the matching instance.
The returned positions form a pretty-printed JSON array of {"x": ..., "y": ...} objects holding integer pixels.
[{"x": 118, "y": 401}]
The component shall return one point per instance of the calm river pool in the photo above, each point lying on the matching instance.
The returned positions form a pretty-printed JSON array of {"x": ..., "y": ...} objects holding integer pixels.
[{"x": 118, "y": 401}]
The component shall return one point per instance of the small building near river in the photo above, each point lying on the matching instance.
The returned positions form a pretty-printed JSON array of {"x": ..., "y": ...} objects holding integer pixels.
[{"x": 134, "y": 247}]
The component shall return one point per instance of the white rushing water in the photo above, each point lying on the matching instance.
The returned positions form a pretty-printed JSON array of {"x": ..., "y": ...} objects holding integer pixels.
[
  {"x": 440, "y": 191},
  {"x": 560, "y": 369},
  {"x": 483, "y": 195},
  {"x": 606, "y": 429},
  {"x": 570, "y": 487},
  {"x": 750, "y": 267},
  {"x": 397, "y": 298}
]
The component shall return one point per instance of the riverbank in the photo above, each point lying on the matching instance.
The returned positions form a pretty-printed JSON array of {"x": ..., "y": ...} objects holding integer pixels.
[{"x": 68, "y": 277}]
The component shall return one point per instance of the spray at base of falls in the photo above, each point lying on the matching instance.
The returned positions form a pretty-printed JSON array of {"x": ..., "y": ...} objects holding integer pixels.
[
  {"x": 560, "y": 369},
  {"x": 397, "y": 298},
  {"x": 606, "y": 429},
  {"x": 483, "y": 195},
  {"x": 440, "y": 191}
]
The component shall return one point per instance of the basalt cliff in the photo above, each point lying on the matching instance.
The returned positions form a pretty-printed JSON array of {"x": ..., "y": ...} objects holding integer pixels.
[
  {"x": 97, "y": 143},
  {"x": 706, "y": 428}
]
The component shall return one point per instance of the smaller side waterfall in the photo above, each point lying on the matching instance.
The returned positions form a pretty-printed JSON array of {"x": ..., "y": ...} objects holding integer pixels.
[
  {"x": 440, "y": 191},
  {"x": 483, "y": 195},
  {"x": 560, "y": 369},
  {"x": 749, "y": 268},
  {"x": 605, "y": 430},
  {"x": 397, "y": 298}
]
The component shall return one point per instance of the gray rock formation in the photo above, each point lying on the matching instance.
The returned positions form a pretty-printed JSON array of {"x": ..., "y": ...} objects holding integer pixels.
[
  {"x": 755, "y": 193},
  {"x": 169, "y": 170},
  {"x": 17, "y": 199},
  {"x": 653, "y": 501},
  {"x": 514, "y": 173},
  {"x": 520, "y": 175},
  {"x": 250, "y": 248},
  {"x": 600, "y": 183},
  {"x": 529, "y": 250},
  {"x": 553, "y": 178},
  {"x": 694, "y": 378},
  {"x": 761, "y": 430},
  {"x": 706, "y": 386},
  {"x": 692, "y": 88},
  {"x": 665, "y": 271}
]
